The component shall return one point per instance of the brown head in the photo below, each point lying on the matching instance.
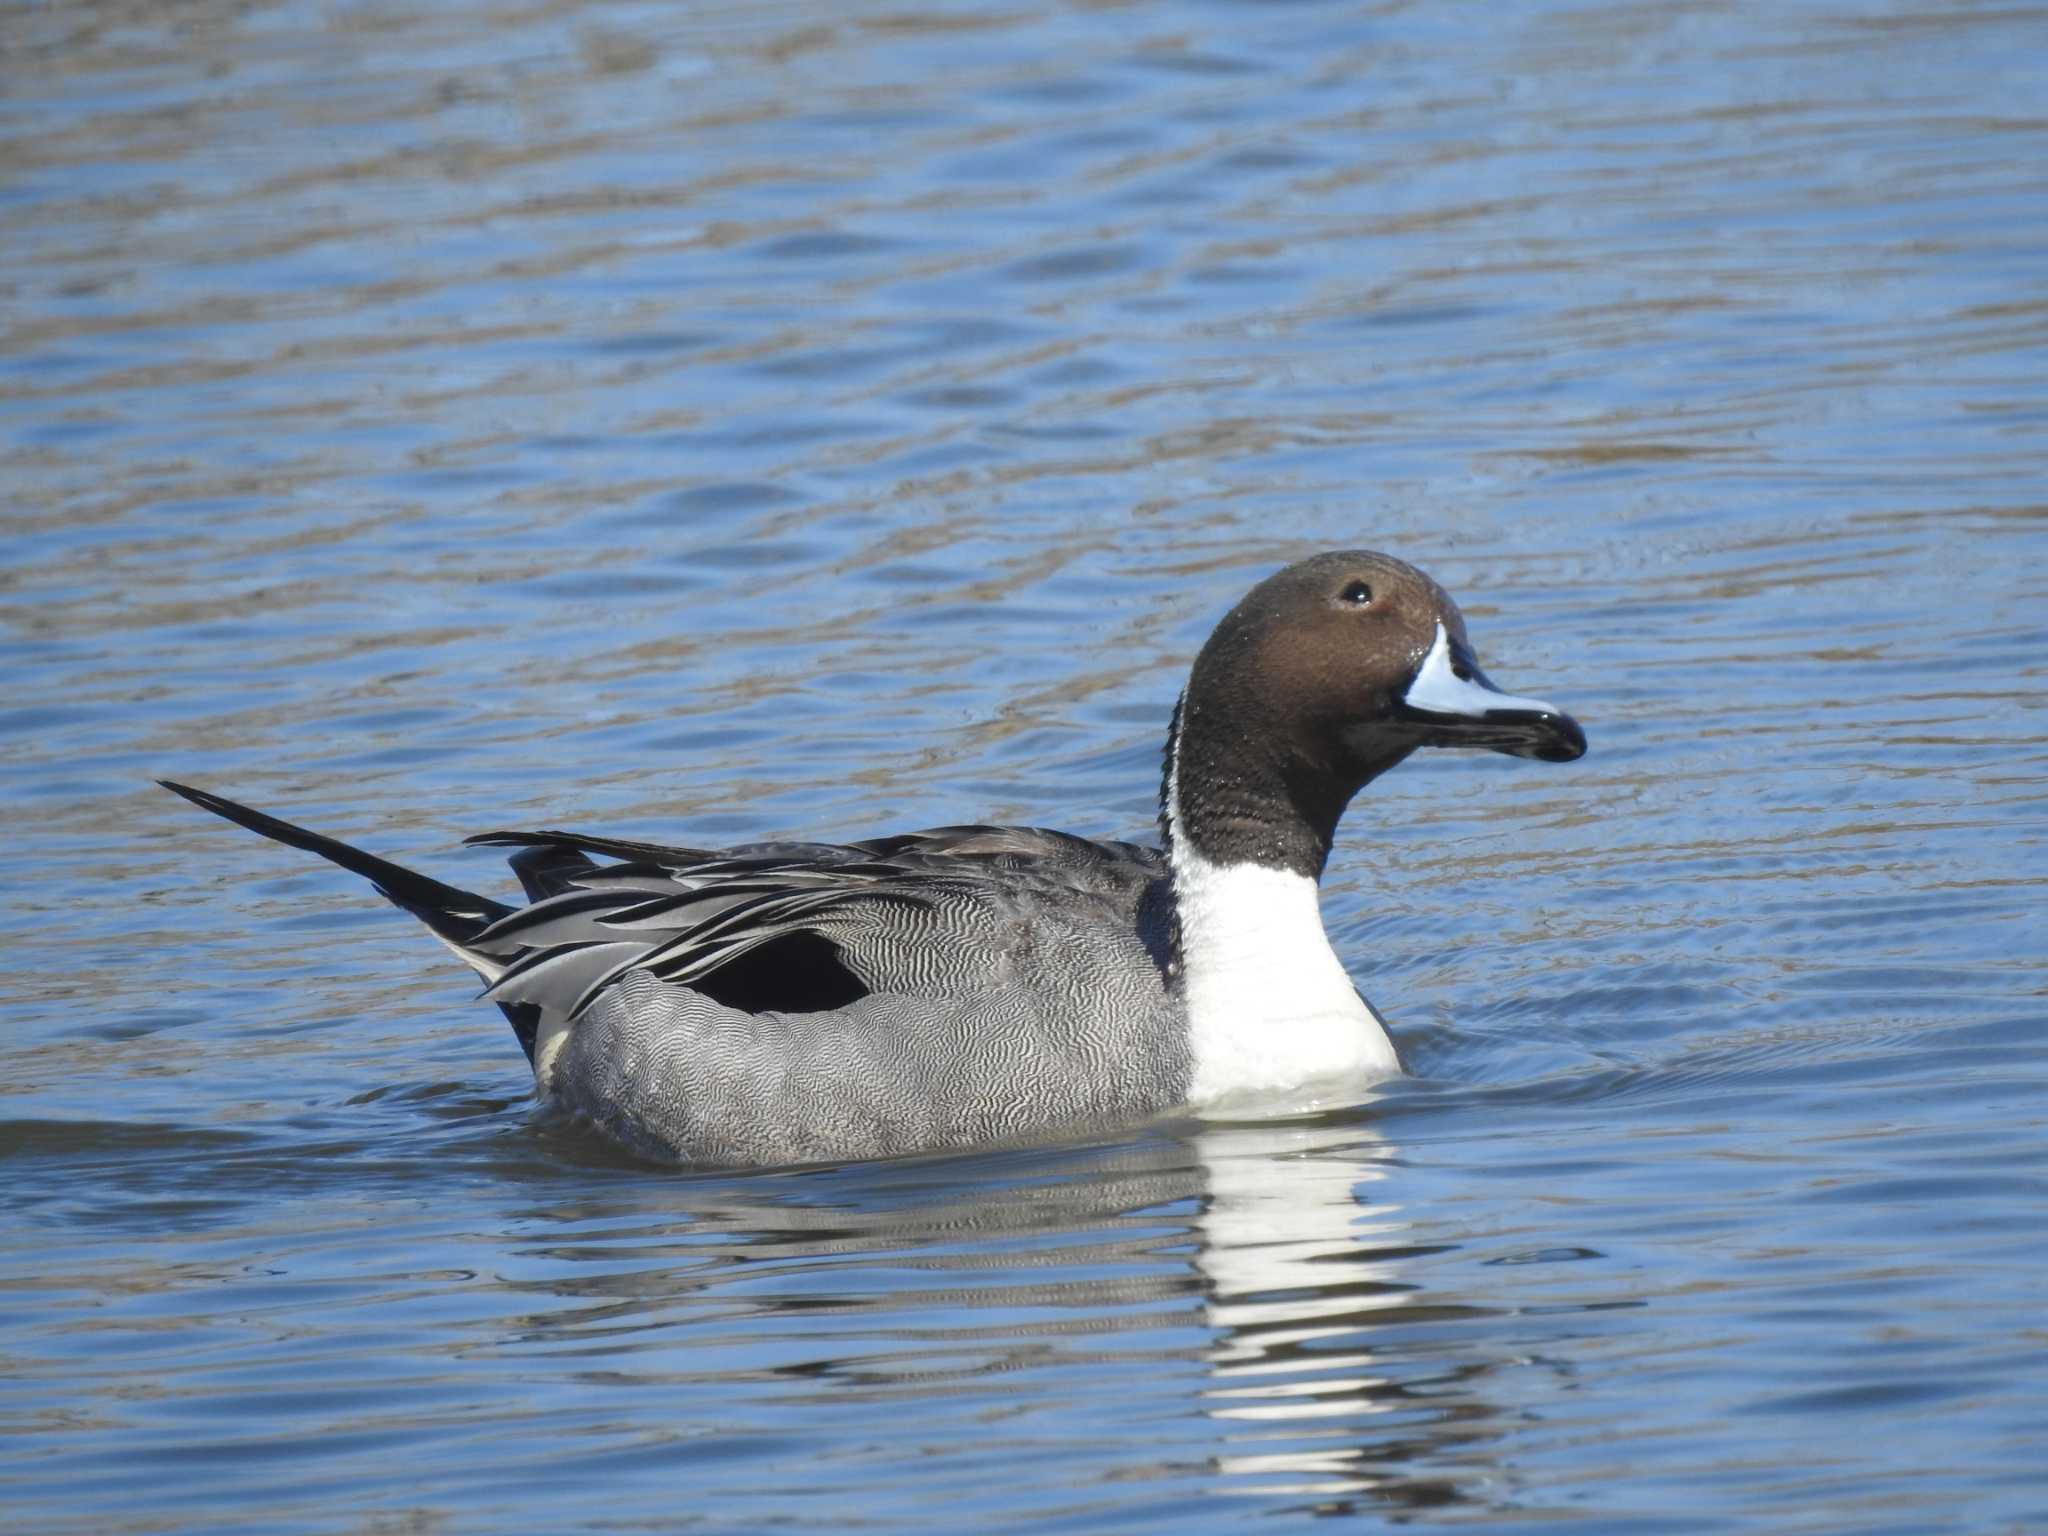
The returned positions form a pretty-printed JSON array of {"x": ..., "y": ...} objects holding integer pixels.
[{"x": 1327, "y": 674}]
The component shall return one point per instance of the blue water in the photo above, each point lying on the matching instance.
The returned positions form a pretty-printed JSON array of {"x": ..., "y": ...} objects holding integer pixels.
[{"x": 744, "y": 420}]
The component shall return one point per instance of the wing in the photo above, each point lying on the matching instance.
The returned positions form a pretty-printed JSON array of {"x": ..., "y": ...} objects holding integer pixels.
[{"x": 810, "y": 927}]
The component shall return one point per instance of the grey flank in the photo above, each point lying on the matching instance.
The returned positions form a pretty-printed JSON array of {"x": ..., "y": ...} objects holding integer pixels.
[{"x": 1021, "y": 990}]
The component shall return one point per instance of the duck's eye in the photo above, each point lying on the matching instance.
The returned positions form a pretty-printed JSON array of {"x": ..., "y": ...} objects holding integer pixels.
[{"x": 1358, "y": 594}]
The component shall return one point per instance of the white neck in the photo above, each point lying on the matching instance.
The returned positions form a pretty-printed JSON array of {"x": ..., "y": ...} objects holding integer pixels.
[{"x": 1270, "y": 1007}]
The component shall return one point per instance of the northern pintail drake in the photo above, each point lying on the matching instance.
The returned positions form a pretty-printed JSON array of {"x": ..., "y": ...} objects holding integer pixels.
[{"x": 790, "y": 1002}]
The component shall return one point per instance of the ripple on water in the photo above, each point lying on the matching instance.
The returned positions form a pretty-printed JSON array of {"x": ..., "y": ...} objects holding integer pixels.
[{"x": 726, "y": 423}]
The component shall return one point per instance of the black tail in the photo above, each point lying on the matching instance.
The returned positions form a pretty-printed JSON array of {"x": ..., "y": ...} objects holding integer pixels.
[{"x": 455, "y": 915}]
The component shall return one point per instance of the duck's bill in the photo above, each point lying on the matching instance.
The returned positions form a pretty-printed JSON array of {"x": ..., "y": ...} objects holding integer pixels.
[{"x": 1452, "y": 704}]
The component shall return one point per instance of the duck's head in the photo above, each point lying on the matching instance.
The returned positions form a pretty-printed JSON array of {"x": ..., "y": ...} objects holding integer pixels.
[{"x": 1326, "y": 675}]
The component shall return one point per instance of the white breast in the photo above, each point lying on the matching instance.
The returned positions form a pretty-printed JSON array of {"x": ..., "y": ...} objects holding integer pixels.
[{"x": 1269, "y": 1005}]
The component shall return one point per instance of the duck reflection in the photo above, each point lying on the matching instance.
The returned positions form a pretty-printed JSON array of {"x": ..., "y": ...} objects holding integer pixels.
[
  {"x": 1308, "y": 1265},
  {"x": 1273, "y": 1256}
]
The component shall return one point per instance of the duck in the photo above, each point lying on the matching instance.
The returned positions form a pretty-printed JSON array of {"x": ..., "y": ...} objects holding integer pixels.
[{"x": 781, "y": 1003}]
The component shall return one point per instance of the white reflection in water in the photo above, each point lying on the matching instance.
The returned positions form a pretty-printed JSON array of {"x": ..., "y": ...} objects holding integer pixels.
[{"x": 1290, "y": 1226}]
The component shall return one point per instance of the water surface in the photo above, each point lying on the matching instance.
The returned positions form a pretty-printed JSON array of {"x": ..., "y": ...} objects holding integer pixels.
[{"x": 791, "y": 418}]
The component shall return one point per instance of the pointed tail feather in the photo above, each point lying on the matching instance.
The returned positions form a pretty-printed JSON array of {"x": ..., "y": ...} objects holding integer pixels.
[
  {"x": 452, "y": 913},
  {"x": 455, "y": 916}
]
